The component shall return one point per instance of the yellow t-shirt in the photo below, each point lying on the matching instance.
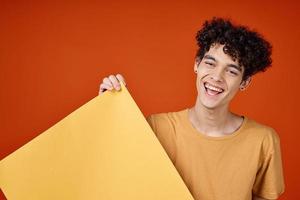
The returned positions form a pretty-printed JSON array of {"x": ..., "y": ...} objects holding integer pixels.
[{"x": 230, "y": 167}]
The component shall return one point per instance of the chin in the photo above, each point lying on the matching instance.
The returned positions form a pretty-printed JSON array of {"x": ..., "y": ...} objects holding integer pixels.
[
  {"x": 207, "y": 103},
  {"x": 210, "y": 106}
]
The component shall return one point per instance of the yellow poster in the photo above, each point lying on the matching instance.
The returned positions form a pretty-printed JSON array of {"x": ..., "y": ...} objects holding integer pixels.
[{"x": 104, "y": 150}]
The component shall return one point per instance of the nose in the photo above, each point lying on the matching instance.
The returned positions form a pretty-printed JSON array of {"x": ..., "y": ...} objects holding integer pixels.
[{"x": 217, "y": 75}]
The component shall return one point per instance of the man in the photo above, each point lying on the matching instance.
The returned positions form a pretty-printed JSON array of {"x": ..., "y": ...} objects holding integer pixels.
[{"x": 221, "y": 155}]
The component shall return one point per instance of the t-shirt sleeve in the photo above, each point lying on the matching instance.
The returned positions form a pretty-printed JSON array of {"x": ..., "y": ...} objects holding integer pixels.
[
  {"x": 165, "y": 133},
  {"x": 269, "y": 182}
]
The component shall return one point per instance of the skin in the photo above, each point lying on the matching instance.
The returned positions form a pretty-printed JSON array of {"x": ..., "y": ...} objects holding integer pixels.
[{"x": 210, "y": 115}]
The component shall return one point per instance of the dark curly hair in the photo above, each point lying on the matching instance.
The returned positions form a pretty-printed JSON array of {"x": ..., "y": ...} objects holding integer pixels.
[{"x": 250, "y": 49}]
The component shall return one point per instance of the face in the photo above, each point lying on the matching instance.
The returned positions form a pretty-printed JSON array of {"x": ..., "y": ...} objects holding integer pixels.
[{"x": 219, "y": 78}]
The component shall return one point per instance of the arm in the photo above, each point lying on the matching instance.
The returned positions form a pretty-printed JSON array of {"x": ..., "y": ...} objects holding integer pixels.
[{"x": 269, "y": 181}]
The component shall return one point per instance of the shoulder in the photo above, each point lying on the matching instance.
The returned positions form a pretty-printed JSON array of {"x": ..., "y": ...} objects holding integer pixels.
[
  {"x": 264, "y": 133},
  {"x": 263, "y": 130},
  {"x": 166, "y": 120},
  {"x": 167, "y": 117}
]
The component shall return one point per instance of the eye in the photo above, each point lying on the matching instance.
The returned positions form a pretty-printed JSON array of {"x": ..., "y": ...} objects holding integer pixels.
[
  {"x": 209, "y": 64},
  {"x": 232, "y": 72}
]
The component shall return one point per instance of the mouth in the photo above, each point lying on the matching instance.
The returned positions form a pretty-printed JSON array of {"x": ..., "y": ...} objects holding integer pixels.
[{"x": 212, "y": 90}]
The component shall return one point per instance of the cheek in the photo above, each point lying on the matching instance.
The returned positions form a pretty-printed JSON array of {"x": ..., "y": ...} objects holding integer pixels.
[
  {"x": 234, "y": 86},
  {"x": 202, "y": 73},
  {"x": 202, "y": 69},
  {"x": 198, "y": 82}
]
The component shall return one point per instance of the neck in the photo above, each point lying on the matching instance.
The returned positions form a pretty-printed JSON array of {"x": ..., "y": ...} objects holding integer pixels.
[{"x": 215, "y": 122}]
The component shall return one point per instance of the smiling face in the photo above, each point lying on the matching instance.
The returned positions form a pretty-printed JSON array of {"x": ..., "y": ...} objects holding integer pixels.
[{"x": 219, "y": 78}]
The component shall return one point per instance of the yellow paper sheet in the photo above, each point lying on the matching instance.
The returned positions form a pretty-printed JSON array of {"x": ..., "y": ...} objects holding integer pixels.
[{"x": 103, "y": 150}]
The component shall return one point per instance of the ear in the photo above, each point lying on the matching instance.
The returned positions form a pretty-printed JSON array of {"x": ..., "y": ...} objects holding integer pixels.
[
  {"x": 196, "y": 64},
  {"x": 245, "y": 83}
]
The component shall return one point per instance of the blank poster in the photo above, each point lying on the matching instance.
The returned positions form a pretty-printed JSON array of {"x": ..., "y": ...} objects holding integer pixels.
[{"x": 103, "y": 150}]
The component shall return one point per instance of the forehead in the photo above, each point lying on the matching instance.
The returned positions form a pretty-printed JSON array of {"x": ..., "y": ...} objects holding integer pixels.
[{"x": 217, "y": 51}]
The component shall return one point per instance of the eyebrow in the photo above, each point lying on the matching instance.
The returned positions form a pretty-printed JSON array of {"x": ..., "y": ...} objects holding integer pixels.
[{"x": 229, "y": 65}]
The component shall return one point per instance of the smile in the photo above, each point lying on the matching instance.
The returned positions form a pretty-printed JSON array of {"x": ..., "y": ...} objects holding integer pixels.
[{"x": 212, "y": 89}]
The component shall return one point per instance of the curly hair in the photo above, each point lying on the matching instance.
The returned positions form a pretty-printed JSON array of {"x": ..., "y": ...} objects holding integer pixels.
[{"x": 250, "y": 49}]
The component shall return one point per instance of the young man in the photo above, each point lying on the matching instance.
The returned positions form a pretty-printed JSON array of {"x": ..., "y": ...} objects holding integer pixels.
[{"x": 221, "y": 155}]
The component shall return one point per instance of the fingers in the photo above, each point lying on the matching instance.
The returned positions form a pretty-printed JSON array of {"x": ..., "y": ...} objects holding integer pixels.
[
  {"x": 104, "y": 87},
  {"x": 121, "y": 79},
  {"x": 115, "y": 82},
  {"x": 111, "y": 82}
]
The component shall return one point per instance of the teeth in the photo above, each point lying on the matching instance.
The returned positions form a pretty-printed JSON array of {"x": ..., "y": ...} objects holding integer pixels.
[{"x": 207, "y": 85}]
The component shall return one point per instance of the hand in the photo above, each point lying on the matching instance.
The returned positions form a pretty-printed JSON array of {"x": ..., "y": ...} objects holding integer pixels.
[{"x": 111, "y": 82}]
